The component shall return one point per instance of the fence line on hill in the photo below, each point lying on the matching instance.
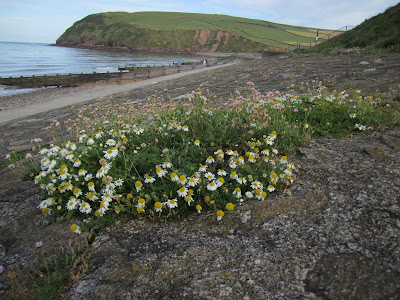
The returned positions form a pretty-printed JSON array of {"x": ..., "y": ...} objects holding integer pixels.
[{"x": 325, "y": 36}]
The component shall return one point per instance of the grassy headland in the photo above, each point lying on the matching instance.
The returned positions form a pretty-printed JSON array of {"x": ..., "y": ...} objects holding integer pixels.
[{"x": 171, "y": 31}]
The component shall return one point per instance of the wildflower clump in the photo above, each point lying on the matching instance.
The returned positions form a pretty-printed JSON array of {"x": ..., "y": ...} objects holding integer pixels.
[{"x": 170, "y": 159}]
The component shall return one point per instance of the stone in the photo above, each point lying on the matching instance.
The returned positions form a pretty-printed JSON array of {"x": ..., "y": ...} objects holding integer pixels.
[
  {"x": 352, "y": 276},
  {"x": 391, "y": 141},
  {"x": 377, "y": 151}
]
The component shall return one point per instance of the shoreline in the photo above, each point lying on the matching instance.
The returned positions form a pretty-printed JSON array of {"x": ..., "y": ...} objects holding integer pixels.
[{"x": 22, "y": 105}]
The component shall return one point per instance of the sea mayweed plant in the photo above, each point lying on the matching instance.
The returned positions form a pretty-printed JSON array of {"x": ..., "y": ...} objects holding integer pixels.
[{"x": 170, "y": 159}]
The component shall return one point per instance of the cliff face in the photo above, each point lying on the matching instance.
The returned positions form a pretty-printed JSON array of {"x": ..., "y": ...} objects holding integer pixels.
[
  {"x": 203, "y": 40},
  {"x": 97, "y": 31}
]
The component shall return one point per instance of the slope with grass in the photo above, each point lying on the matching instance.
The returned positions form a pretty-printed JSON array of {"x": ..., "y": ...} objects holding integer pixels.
[
  {"x": 380, "y": 32},
  {"x": 170, "y": 31}
]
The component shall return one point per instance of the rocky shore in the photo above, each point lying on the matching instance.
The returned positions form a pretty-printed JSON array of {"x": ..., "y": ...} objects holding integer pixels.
[{"x": 337, "y": 236}]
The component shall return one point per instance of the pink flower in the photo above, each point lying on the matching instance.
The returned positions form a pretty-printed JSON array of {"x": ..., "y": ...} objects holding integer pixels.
[
  {"x": 295, "y": 110},
  {"x": 236, "y": 103}
]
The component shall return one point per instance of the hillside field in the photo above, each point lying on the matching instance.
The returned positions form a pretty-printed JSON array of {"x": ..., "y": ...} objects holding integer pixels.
[{"x": 188, "y": 32}]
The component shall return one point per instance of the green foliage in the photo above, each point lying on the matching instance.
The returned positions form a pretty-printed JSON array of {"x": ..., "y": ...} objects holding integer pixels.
[
  {"x": 54, "y": 268},
  {"x": 379, "y": 32},
  {"x": 171, "y": 159}
]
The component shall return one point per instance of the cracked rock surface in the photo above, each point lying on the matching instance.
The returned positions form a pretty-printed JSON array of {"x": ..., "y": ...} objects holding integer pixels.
[{"x": 336, "y": 236}]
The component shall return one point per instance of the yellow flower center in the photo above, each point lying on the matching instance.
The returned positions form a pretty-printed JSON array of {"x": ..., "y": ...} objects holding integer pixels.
[{"x": 230, "y": 206}]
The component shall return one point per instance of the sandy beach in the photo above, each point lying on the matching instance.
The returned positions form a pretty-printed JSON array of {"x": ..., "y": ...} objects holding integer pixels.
[{"x": 45, "y": 99}]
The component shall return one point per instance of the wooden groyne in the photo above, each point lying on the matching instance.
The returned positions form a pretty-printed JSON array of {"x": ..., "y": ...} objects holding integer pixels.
[{"x": 68, "y": 80}]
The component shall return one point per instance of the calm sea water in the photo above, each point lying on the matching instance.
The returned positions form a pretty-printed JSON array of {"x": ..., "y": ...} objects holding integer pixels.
[{"x": 27, "y": 59}]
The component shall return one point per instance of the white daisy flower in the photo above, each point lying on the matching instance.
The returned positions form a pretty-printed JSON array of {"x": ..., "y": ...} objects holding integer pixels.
[
  {"x": 237, "y": 192},
  {"x": 182, "y": 192},
  {"x": 241, "y": 180},
  {"x": 203, "y": 168},
  {"x": 210, "y": 176},
  {"x": 72, "y": 203},
  {"x": 229, "y": 152},
  {"x": 85, "y": 208},
  {"x": 212, "y": 186},
  {"x": 91, "y": 196},
  {"x": 160, "y": 172},
  {"x": 174, "y": 177},
  {"x": 192, "y": 182},
  {"x": 149, "y": 179},
  {"x": 110, "y": 142},
  {"x": 221, "y": 172},
  {"x": 166, "y": 165},
  {"x": 172, "y": 203},
  {"x": 210, "y": 160},
  {"x": 118, "y": 182},
  {"x": 110, "y": 153},
  {"x": 139, "y": 131}
]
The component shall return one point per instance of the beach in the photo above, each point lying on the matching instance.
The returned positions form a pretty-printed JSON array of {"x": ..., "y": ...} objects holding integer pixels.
[{"x": 41, "y": 100}]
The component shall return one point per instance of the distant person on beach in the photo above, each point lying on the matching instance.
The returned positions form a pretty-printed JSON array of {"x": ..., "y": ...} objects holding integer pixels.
[{"x": 204, "y": 62}]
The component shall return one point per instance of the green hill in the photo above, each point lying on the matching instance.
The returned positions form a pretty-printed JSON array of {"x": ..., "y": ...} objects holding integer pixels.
[
  {"x": 380, "y": 31},
  {"x": 190, "y": 32}
]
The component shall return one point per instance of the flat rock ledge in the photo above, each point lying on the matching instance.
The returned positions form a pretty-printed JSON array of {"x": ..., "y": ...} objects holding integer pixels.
[{"x": 337, "y": 236}]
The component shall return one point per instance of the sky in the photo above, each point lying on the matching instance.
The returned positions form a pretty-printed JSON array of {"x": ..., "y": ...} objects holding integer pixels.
[{"x": 43, "y": 21}]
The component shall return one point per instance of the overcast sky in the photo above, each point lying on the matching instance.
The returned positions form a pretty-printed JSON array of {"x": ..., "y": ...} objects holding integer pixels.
[{"x": 43, "y": 21}]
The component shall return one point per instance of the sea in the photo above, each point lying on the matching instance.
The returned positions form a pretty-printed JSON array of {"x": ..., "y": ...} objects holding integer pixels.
[{"x": 27, "y": 59}]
